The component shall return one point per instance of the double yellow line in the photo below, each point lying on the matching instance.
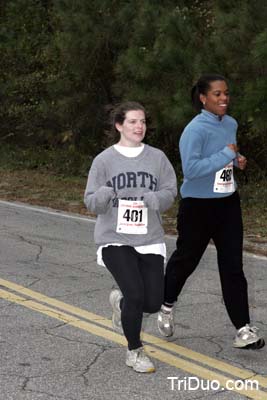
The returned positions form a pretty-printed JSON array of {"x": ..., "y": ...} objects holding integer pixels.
[{"x": 199, "y": 365}]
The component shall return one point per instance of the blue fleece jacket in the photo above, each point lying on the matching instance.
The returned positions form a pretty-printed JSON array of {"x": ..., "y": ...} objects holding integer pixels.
[{"x": 204, "y": 151}]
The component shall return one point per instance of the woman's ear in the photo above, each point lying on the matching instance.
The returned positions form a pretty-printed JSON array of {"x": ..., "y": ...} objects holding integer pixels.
[
  {"x": 118, "y": 127},
  {"x": 202, "y": 98}
]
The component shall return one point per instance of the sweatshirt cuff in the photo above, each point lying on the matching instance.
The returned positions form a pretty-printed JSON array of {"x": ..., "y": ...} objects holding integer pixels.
[{"x": 229, "y": 153}]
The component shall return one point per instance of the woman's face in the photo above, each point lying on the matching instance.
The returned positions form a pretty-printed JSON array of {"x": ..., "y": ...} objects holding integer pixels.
[
  {"x": 217, "y": 98},
  {"x": 133, "y": 128}
]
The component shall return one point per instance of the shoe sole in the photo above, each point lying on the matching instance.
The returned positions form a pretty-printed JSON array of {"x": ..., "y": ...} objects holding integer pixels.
[
  {"x": 253, "y": 346},
  {"x": 165, "y": 334},
  {"x": 116, "y": 327},
  {"x": 112, "y": 295},
  {"x": 142, "y": 371}
]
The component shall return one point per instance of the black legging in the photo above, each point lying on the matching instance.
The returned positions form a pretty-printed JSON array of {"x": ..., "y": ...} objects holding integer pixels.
[
  {"x": 140, "y": 278},
  {"x": 200, "y": 220}
]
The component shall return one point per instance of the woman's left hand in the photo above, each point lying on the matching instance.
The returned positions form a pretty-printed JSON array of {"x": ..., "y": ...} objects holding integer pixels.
[{"x": 242, "y": 162}]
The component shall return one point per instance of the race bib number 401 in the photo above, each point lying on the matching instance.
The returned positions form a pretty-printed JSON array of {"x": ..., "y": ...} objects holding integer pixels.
[
  {"x": 224, "y": 180},
  {"x": 132, "y": 217}
]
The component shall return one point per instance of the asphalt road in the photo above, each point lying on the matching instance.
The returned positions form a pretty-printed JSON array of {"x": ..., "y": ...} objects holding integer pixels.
[{"x": 56, "y": 337}]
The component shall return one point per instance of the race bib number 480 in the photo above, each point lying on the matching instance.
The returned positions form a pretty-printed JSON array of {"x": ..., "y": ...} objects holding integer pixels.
[
  {"x": 224, "y": 180},
  {"x": 132, "y": 217}
]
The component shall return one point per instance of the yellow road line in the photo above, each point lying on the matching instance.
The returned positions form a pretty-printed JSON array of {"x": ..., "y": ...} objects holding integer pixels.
[
  {"x": 68, "y": 319},
  {"x": 113, "y": 336},
  {"x": 208, "y": 361},
  {"x": 190, "y": 354}
]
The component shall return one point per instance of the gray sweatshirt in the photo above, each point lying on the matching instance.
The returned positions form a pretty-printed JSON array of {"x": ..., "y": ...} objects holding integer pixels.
[{"x": 149, "y": 177}]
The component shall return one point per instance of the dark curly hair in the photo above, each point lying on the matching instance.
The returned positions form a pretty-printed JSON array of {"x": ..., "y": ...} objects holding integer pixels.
[{"x": 201, "y": 87}]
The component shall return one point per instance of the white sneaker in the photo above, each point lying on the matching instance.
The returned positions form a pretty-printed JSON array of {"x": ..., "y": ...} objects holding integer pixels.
[
  {"x": 165, "y": 322},
  {"x": 247, "y": 338},
  {"x": 139, "y": 361},
  {"x": 114, "y": 299}
]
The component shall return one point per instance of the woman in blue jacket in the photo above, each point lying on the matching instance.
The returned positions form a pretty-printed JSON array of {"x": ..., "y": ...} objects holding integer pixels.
[{"x": 210, "y": 209}]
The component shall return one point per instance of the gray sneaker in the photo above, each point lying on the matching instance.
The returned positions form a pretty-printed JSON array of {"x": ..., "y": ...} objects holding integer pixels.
[
  {"x": 139, "y": 361},
  {"x": 165, "y": 322},
  {"x": 247, "y": 338},
  {"x": 114, "y": 299}
]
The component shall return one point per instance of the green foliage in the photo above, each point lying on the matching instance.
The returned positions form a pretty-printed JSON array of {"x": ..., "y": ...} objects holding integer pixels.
[
  {"x": 243, "y": 55},
  {"x": 67, "y": 161},
  {"x": 87, "y": 40},
  {"x": 25, "y": 70},
  {"x": 160, "y": 64},
  {"x": 64, "y": 61}
]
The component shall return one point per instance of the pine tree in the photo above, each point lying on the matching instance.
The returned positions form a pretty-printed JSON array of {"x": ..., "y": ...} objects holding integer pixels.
[
  {"x": 242, "y": 56},
  {"x": 24, "y": 68},
  {"x": 166, "y": 54},
  {"x": 87, "y": 37}
]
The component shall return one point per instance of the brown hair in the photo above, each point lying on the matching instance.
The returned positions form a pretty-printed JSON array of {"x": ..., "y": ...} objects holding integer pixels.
[{"x": 117, "y": 114}]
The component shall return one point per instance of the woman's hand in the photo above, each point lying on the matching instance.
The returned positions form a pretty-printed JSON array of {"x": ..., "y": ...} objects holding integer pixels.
[
  {"x": 151, "y": 201},
  {"x": 241, "y": 161}
]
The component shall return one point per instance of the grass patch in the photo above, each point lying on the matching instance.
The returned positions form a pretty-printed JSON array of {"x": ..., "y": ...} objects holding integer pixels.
[
  {"x": 60, "y": 161},
  {"x": 44, "y": 189},
  {"x": 57, "y": 179},
  {"x": 66, "y": 193},
  {"x": 254, "y": 207}
]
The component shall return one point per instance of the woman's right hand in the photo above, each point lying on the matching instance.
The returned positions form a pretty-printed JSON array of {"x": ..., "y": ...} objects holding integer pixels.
[{"x": 106, "y": 192}]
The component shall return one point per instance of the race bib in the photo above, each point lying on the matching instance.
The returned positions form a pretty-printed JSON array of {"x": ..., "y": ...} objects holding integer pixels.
[
  {"x": 132, "y": 217},
  {"x": 224, "y": 180}
]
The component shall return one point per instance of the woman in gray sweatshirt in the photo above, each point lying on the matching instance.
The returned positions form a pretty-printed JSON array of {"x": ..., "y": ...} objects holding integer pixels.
[{"x": 129, "y": 185}]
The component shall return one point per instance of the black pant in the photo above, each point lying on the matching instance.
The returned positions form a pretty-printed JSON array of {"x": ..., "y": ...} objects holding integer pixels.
[
  {"x": 140, "y": 278},
  {"x": 200, "y": 220}
]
